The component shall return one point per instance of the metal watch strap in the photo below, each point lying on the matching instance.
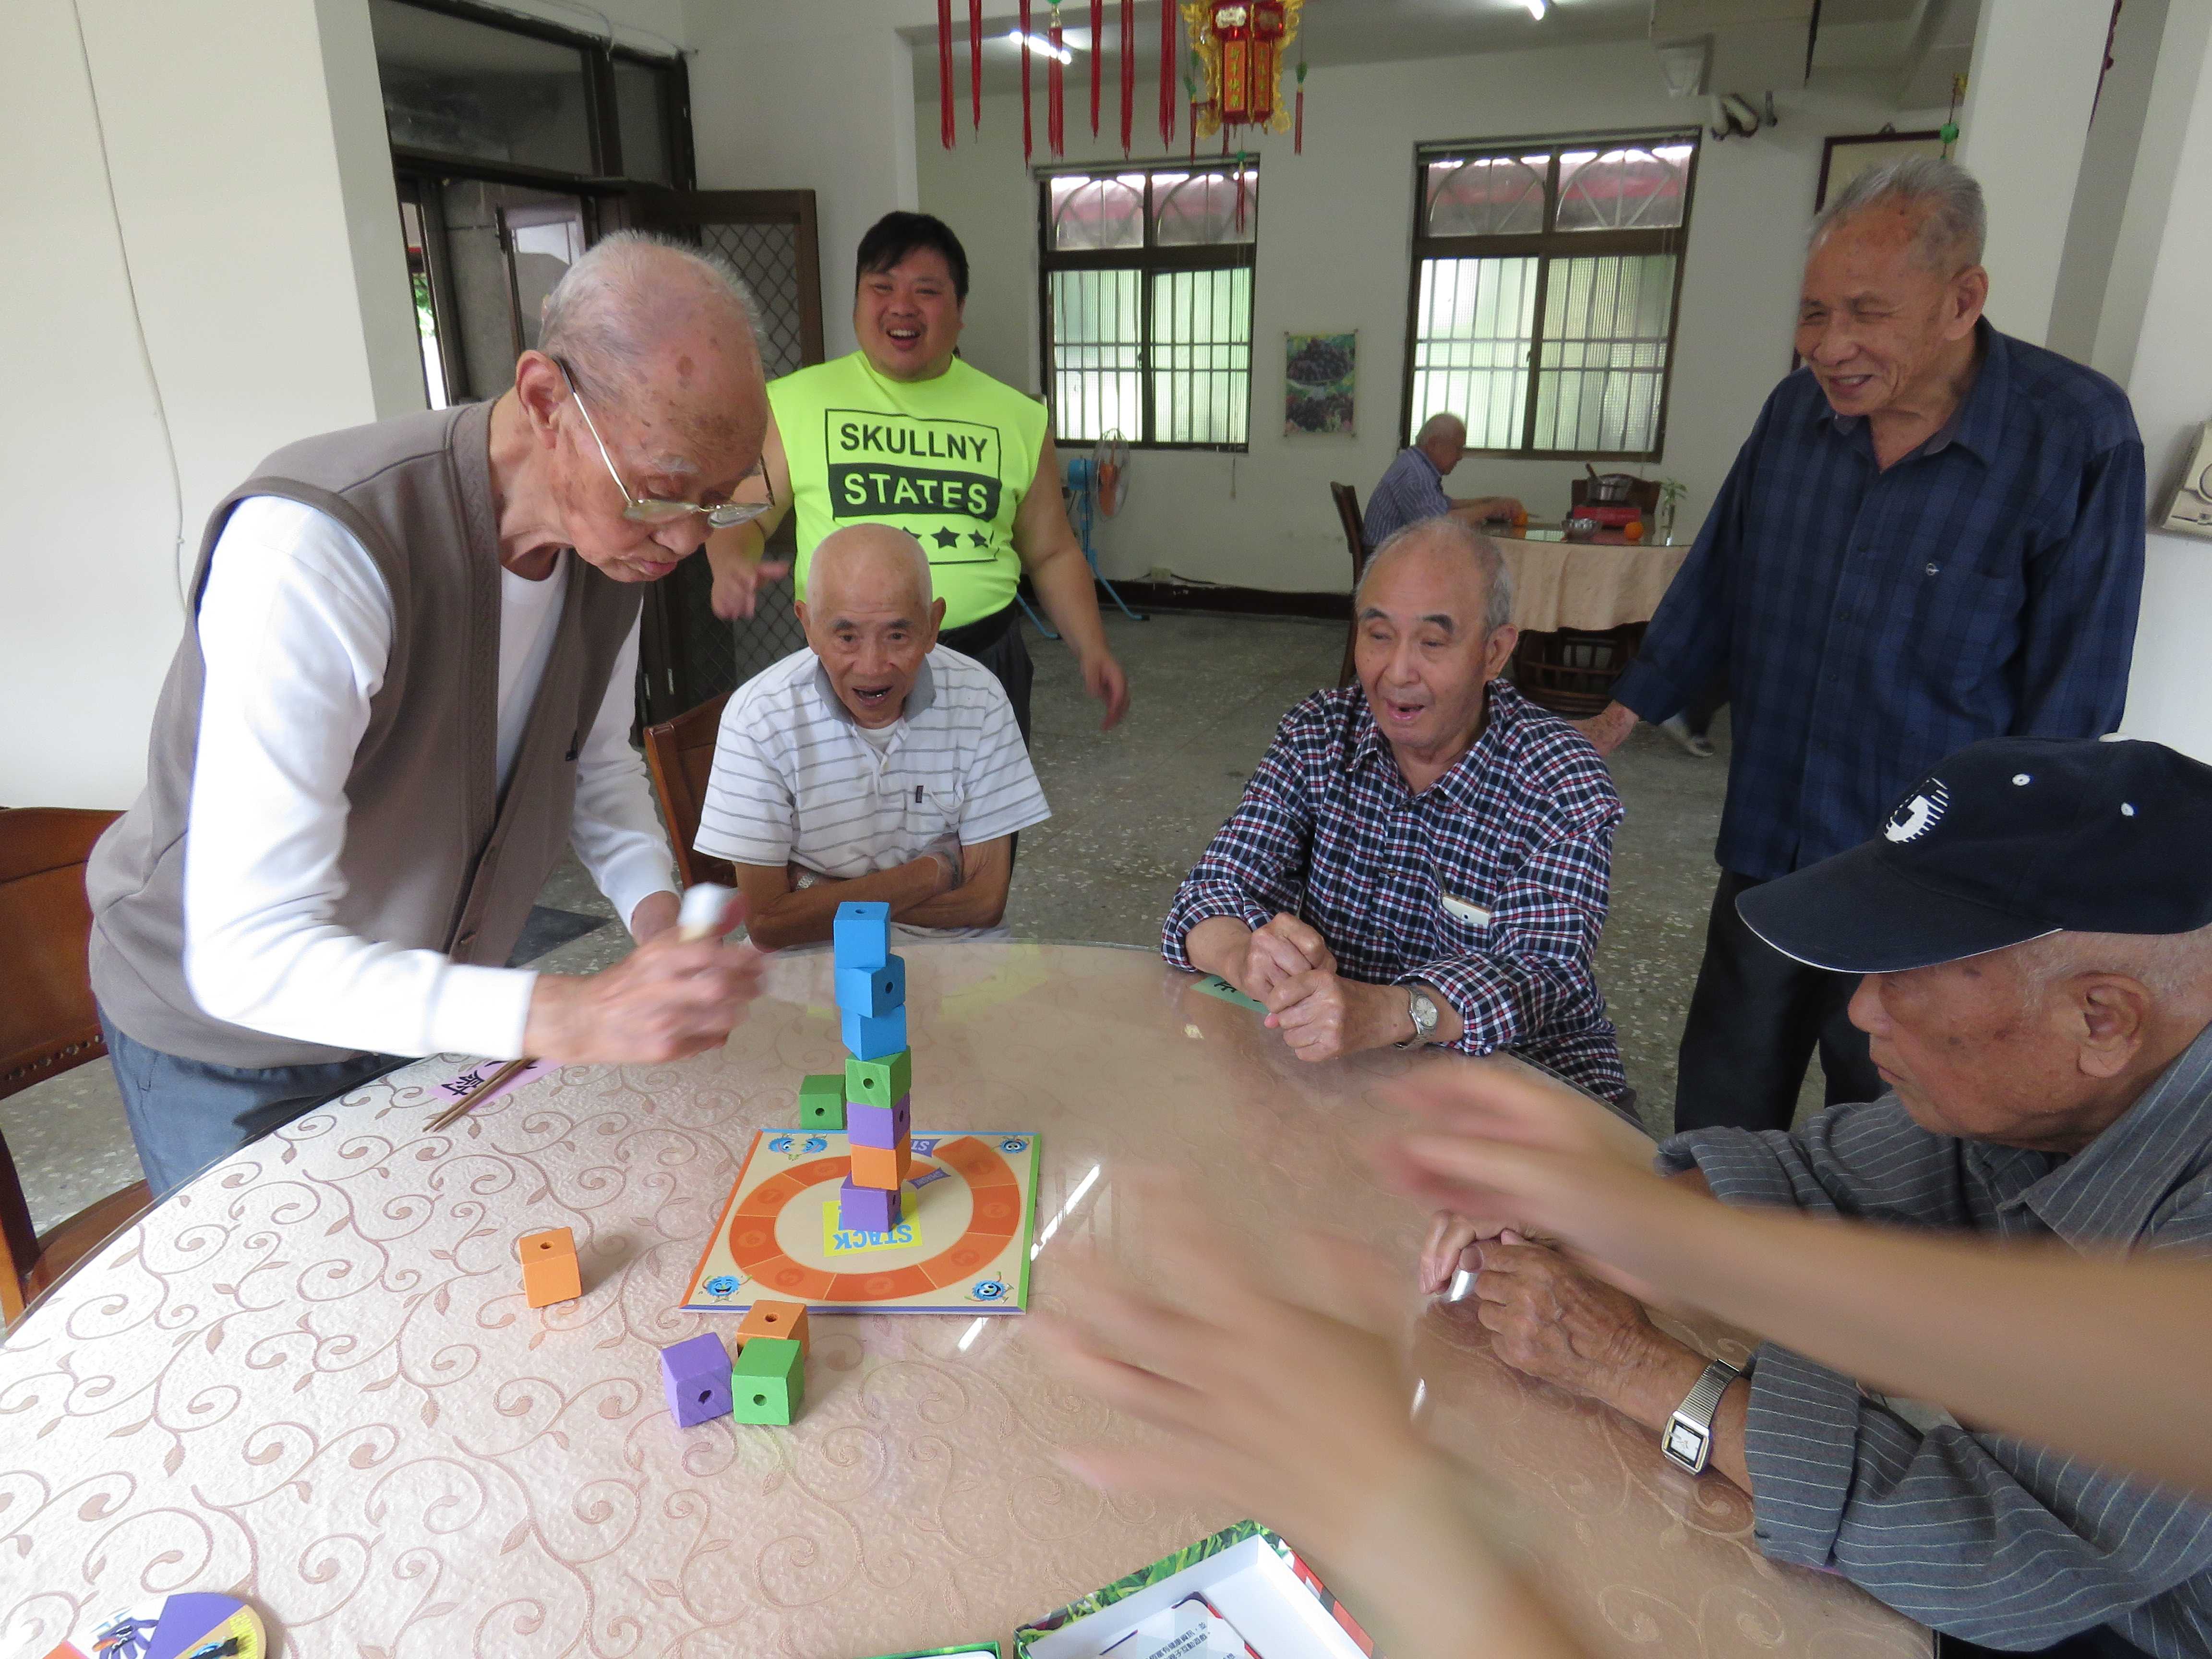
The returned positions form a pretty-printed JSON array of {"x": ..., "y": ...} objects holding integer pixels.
[
  {"x": 1694, "y": 1418},
  {"x": 1415, "y": 997}
]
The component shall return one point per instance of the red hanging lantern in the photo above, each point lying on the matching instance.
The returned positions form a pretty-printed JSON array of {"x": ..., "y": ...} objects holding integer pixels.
[
  {"x": 1239, "y": 44},
  {"x": 1298, "y": 121},
  {"x": 945, "y": 127}
]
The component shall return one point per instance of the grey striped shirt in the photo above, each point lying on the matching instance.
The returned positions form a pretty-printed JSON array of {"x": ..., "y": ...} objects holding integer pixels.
[
  {"x": 1980, "y": 1534},
  {"x": 795, "y": 783}
]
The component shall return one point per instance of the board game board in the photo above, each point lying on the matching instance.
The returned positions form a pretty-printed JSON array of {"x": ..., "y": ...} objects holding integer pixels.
[{"x": 963, "y": 1245}]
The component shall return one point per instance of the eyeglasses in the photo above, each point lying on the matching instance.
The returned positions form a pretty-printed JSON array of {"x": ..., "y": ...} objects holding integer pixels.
[{"x": 652, "y": 509}]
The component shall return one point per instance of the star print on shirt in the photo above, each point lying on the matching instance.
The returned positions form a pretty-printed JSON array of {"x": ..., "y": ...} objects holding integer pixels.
[
  {"x": 946, "y": 538},
  {"x": 979, "y": 538}
]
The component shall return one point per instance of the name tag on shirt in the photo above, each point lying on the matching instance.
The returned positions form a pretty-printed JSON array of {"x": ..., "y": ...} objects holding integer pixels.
[{"x": 1468, "y": 912}]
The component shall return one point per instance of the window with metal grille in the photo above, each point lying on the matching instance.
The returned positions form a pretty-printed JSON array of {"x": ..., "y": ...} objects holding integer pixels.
[
  {"x": 1147, "y": 294},
  {"x": 1546, "y": 284}
]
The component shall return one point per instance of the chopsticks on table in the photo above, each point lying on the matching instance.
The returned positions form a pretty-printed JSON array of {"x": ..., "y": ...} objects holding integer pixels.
[{"x": 461, "y": 1108}]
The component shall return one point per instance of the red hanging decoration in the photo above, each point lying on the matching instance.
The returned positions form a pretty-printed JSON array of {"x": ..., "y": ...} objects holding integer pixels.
[
  {"x": 1055, "y": 107},
  {"x": 1240, "y": 191},
  {"x": 945, "y": 127},
  {"x": 1298, "y": 122},
  {"x": 1168, "y": 55},
  {"x": 1128, "y": 72},
  {"x": 975, "y": 61},
  {"x": 1097, "y": 50},
  {"x": 1029, "y": 141}
]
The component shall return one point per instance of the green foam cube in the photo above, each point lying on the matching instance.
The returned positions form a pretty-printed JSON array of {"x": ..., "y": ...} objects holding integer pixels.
[
  {"x": 821, "y": 1102},
  {"x": 880, "y": 1082},
  {"x": 768, "y": 1384}
]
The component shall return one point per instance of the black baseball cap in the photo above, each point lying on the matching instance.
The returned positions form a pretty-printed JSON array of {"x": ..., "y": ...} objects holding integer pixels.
[{"x": 2007, "y": 841}]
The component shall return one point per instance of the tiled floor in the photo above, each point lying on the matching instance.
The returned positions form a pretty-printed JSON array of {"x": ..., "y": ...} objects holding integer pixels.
[{"x": 1132, "y": 809}]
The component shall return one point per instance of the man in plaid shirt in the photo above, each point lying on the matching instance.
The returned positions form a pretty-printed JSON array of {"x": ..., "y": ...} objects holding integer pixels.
[{"x": 1423, "y": 858}]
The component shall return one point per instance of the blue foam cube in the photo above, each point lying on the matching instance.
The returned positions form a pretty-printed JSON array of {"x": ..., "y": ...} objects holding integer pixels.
[
  {"x": 872, "y": 991},
  {"x": 860, "y": 935},
  {"x": 874, "y": 1039},
  {"x": 884, "y": 1127}
]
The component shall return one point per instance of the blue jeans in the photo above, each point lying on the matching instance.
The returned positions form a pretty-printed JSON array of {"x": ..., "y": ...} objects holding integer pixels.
[{"x": 187, "y": 1116}]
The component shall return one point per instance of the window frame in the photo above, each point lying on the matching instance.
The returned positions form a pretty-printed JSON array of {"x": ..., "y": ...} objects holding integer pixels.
[
  {"x": 1544, "y": 245},
  {"x": 1149, "y": 260},
  {"x": 601, "y": 120}
]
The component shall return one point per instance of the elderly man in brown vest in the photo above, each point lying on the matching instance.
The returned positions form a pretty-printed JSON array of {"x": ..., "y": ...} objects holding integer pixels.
[{"x": 405, "y": 690}]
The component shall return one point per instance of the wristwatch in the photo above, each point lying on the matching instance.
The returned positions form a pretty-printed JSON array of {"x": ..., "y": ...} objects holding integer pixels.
[
  {"x": 1422, "y": 1012},
  {"x": 1687, "y": 1439}
]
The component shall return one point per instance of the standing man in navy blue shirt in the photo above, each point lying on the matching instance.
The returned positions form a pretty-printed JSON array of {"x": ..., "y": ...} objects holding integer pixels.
[{"x": 1933, "y": 535}]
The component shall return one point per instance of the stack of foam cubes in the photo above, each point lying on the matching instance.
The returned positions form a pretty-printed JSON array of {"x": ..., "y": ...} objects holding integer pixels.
[{"x": 872, "y": 1099}]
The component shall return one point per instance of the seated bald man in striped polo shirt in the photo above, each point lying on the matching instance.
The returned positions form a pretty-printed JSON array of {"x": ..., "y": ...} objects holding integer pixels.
[{"x": 875, "y": 764}]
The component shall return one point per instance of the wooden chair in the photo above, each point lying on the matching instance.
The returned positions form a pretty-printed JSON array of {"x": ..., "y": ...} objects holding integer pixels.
[
  {"x": 1355, "y": 539},
  {"x": 47, "y": 1026},
  {"x": 680, "y": 753}
]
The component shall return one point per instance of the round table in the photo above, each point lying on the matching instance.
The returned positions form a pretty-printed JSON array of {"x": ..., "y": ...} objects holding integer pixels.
[
  {"x": 1587, "y": 586},
  {"x": 310, "y": 1377}
]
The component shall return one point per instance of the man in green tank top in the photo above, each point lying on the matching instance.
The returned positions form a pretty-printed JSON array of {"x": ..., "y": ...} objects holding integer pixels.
[{"x": 903, "y": 432}]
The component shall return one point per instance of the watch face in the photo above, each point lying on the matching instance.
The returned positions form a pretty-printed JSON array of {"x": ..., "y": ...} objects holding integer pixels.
[{"x": 1685, "y": 1442}]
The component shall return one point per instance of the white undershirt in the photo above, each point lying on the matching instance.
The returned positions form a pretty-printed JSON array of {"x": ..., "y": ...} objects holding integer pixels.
[{"x": 296, "y": 628}]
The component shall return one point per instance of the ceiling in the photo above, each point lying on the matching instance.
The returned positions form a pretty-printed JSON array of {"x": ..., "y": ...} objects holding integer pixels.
[{"x": 1856, "y": 33}]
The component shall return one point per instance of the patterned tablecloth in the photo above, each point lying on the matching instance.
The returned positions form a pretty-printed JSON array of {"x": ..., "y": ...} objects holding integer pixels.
[
  {"x": 310, "y": 1377},
  {"x": 1587, "y": 585}
]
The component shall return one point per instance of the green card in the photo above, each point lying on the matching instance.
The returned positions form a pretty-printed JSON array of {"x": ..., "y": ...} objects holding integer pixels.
[{"x": 1214, "y": 985}]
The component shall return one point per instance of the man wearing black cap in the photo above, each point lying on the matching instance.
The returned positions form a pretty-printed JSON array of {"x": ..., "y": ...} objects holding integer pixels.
[{"x": 2034, "y": 927}]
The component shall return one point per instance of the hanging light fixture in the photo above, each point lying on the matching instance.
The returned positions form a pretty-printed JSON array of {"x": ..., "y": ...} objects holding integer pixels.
[
  {"x": 1041, "y": 47},
  {"x": 1536, "y": 9}
]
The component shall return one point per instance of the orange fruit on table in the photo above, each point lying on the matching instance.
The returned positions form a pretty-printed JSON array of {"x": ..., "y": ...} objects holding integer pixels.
[{"x": 1634, "y": 532}]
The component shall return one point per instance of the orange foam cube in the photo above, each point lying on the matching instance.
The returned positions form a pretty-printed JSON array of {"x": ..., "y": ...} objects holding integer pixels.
[
  {"x": 882, "y": 1167},
  {"x": 769, "y": 1317},
  {"x": 549, "y": 1273}
]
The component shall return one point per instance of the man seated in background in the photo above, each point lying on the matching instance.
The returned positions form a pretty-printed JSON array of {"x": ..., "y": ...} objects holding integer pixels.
[
  {"x": 1423, "y": 859},
  {"x": 2035, "y": 926},
  {"x": 875, "y": 764},
  {"x": 1413, "y": 488}
]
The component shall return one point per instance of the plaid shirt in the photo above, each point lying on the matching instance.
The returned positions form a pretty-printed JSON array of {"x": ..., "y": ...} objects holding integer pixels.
[
  {"x": 1520, "y": 828},
  {"x": 1410, "y": 489},
  {"x": 1869, "y": 623}
]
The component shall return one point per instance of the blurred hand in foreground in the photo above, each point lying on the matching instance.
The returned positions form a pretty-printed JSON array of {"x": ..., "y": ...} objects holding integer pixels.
[{"x": 1295, "y": 1414}]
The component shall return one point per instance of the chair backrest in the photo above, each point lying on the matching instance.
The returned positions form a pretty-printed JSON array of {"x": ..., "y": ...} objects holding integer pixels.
[
  {"x": 680, "y": 754},
  {"x": 1355, "y": 539},
  {"x": 47, "y": 1023}
]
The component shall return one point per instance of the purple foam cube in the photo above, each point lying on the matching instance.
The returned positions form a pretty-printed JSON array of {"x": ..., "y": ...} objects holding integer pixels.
[
  {"x": 866, "y": 1209},
  {"x": 884, "y": 1127},
  {"x": 695, "y": 1373}
]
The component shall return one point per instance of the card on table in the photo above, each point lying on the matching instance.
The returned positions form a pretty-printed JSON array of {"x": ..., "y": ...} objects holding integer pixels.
[{"x": 1214, "y": 985}]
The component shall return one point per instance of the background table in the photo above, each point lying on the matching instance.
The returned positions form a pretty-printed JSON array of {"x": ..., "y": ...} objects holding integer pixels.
[
  {"x": 310, "y": 1376},
  {"x": 1590, "y": 586}
]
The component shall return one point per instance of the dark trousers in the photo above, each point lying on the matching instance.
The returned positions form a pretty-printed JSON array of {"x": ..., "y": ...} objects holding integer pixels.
[
  {"x": 187, "y": 1116},
  {"x": 2102, "y": 1643},
  {"x": 1755, "y": 1019},
  {"x": 996, "y": 641}
]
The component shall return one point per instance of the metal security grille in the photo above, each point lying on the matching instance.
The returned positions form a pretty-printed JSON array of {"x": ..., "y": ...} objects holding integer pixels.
[
  {"x": 1545, "y": 285},
  {"x": 766, "y": 256},
  {"x": 1147, "y": 294}
]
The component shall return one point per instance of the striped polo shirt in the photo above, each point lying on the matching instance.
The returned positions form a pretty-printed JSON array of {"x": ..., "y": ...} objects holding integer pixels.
[{"x": 797, "y": 780}]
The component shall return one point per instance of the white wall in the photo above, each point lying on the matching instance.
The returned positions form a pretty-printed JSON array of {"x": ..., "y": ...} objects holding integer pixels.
[
  {"x": 795, "y": 94},
  {"x": 2168, "y": 695},
  {"x": 1335, "y": 228},
  {"x": 268, "y": 287},
  {"x": 2025, "y": 126}
]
